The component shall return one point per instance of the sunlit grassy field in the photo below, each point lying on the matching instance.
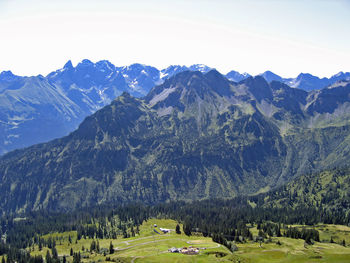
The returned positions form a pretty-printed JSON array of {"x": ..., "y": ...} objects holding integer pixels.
[{"x": 149, "y": 246}]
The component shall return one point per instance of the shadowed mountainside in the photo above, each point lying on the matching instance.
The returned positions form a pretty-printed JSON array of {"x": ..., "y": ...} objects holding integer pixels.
[{"x": 195, "y": 136}]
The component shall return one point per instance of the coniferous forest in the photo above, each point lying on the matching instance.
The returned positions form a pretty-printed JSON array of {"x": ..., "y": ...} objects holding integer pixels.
[{"x": 225, "y": 221}]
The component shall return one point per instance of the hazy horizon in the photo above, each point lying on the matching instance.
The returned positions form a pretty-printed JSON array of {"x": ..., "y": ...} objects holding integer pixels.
[{"x": 285, "y": 37}]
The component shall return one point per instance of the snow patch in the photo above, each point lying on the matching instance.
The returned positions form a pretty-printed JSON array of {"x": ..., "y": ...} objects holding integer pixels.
[{"x": 163, "y": 75}]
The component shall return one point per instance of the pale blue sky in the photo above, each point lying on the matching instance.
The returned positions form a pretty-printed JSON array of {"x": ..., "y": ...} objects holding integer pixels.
[{"x": 287, "y": 37}]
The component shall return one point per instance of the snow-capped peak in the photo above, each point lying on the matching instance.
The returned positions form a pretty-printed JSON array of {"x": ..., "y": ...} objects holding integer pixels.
[{"x": 200, "y": 67}]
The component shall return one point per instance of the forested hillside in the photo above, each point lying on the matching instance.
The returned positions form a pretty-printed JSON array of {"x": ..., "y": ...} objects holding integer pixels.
[{"x": 196, "y": 136}]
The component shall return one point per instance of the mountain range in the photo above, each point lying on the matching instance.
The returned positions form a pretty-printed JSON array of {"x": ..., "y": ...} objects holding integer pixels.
[
  {"x": 37, "y": 109},
  {"x": 195, "y": 136}
]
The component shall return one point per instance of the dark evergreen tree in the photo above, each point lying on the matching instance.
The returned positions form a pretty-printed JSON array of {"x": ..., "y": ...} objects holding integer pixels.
[
  {"x": 187, "y": 228},
  {"x": 93, "y": 246},
  {"x": 177, "y": 229},
  {"x": 40, "y": 244},
  {"x": 76, "y": 258},
  {"x": 98, "y": 246},
  {"x": 54, "y": 253},
  {"x": 48, "y": 257},
  {"x": 111, "y": 249}
]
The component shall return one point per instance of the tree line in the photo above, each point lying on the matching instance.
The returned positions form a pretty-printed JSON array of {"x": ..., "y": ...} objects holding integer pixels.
[{"x": 226, "y": 221}]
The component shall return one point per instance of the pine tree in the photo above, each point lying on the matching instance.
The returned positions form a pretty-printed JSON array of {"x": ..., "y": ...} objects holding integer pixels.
[
  {"x": 187, "y": 229},
  {"x": 54, "y": 253},
  {"x": 111, "y": 249},
  {"x": 76, "y": 258},
  {"x": 98, "y": 247},
  {"x": 93, "y": 246},
  {"x": 178, "y": 231},
  {"x": 261, "y": 233},
  {"x": 132, "y": 231},
  {"x": 40, "y": 244},
  {"x": 48, "y": 257},
  {"x": 279, "y": 232}
]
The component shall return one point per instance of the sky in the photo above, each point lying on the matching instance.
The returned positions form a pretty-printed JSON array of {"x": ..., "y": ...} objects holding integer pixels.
[{"x": 286, "y": 37}]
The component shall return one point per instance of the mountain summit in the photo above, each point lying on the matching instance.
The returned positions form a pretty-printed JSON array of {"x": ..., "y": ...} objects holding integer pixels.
[
  {"x": 87, "y": 87},
  {"x": 195, "y": 136}
]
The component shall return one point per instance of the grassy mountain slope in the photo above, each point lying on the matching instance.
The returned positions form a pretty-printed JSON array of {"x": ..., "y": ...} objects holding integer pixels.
[
  {"x": 327, "y": 189},
  {"x": 195, "y": 136}
]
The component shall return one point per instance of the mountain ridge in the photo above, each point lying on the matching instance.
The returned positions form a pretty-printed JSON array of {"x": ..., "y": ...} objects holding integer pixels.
[
  {"x": 218, "y": 139},
  {"x": 88, "y": 87}
]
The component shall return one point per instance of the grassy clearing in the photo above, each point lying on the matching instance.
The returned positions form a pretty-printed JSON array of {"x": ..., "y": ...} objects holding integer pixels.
[
  {"x": 293, "y": 250},
  {"x": 327, "y": 232},
  {"x": 337, "y": 232},
  {"x": 149, "y": 246}
]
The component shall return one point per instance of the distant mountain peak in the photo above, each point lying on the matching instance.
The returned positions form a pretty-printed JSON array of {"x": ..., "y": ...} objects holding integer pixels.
[
  {"x": 340, "y": 73},
  {"x": 171, "y": 71},
  {"x": 200, "y": 67},
  {"x": 105, "y": 65},
  {"x": 340, "y": 76},
  {"x": 6, "y": 73},
  {"x": 213, "y": 73},
  {"x": 236, "y": 76},
  {"x": 270, "y": 76},
  {"x": 68, "y": 65},
  {"x": 125, "y": 94},
  {"x": 8, "y": 76},
  {"x": 301, "y": 75},
  {"x": 256, "y": 81},
  {"x": 85, "y": 62},
  {"x": 135, "y": 66},
  {"x": 257, "y": 78}
]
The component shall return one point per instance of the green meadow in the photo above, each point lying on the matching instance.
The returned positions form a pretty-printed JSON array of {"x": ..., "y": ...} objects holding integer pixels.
[{"x": 150, "y": 246}]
